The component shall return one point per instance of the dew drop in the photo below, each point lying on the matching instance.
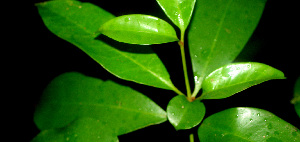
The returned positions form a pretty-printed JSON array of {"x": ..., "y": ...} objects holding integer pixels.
[
  {"x": 182, "y": 106},
  {"x": 127, "y": 19},
  {"x": 251, "y": 120},
  {"x": 258, "y": 114}
]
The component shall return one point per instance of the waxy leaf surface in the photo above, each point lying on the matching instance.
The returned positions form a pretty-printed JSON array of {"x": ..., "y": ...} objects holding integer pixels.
[
  {"x": 233, "y": 78},
  {"x": 77, "y": 23},
  {"x": 183, "y": 114},
  {"x": 139, "y": 29},
  {"x": 246, "y": 125},
  {"x": 296, "y": 99},
  {"x": 72, "y": 95},
  {"x": 81, "y": 130},
  {"x": 179, "y": 11},
  {"x": 219, "y": 30}
]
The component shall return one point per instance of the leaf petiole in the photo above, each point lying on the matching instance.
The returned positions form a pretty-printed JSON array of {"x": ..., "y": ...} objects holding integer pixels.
[
  {"x": 191, "y": 137},
  {"x": 186, "y": 78}
]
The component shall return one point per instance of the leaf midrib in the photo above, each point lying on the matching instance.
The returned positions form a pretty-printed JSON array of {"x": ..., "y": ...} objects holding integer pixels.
[
  {"x": 117, "y": 107},
  {"x": 244, "y": 82},
  {"x": 214, "y": 42},
  {"x": 146, "y": 32}
]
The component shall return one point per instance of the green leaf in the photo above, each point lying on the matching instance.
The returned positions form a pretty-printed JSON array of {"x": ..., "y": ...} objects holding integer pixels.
[
  {"x": 246, "y": 125},
  {"x": 76, "y": 23},
  {"x": 139, "y": 29},
  {"x": 233, "y": 78},
  {"x": 183, "y": 114},
  {"x": 72, "y": 95},
  {"x": 84, "y": 129},
  {"x": 296, "y": 99},
  {"x": 219, "y": 30},
  {"x": 179, "y": 11}
]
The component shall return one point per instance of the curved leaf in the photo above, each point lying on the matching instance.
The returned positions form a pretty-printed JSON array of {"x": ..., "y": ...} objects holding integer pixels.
[
  {"x": 219, "y": 30},
  {"x": 179, "y": 11},
  {"x": 77, "y": 22},
  {"x": 84, "y": 129},
  {"x": 296, "y": 99},
  {"x": 233, "y": 78},
  {"x": 183, "y": 114},
  {"x": 139, "y": 29},
  {"x": 246, "y": 125},
  {"x": 72, "y": 95}
]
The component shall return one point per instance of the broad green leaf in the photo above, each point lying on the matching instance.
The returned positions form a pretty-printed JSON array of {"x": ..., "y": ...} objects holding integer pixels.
[
  {"x": 183, "y": 114},
  {"x": 179, "y": 11},
  {"x": 296, "y": 99},
  {"x": 246, "y": 125},
  {"x": 219, "y": 31},
  {"x": 81, "y": 130},
  {"x": 139, "y": 29},
  {"x": 233, "y": 78},
  {"x": 76, "y": 23},
  {"x": 72, "y": 95}
]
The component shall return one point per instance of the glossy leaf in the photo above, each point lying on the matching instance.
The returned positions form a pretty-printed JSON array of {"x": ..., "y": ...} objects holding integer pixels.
[
  {"x": 233, "y": 78},
  {"x": 84, "y": 129},
  {"x": 139, "y": 29},
  {"x": 296, "y": 99},
  {"x": 77, "y": 23},
  {"x": 219, "y": 30},
  {"x": 179, "y": 11},
  {"x": 72, "y": 95},
  {"x": 246, "y": 125},
  {"x": 183, "y": 114}
]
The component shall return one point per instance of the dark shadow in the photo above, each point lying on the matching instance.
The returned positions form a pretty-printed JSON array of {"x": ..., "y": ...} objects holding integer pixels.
[{"x": 133, "y": 48}]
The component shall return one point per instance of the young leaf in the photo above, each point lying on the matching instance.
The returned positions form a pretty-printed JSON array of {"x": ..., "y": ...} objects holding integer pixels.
[
  {"x": 246, "y": 125},
  {"x": 139, "y": 29},
  {"x": 72, "y": 95},
  {"x": 233, "y": 78},
  {"x": 296, "y": 99},
  {"x": 84, "y": 129},
  {"x": 76, "y": 23},
  {"x": 218, "y": 32},
  {"x": 183, "y": 114},
  {"x": 179, "y": 11}
]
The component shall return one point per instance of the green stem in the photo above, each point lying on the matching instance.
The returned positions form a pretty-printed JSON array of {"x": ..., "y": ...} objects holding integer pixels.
[
  {"x": 191, "y": 138},
  {"x": 186, "y": 78},
  {"x": 177, "y": 91}
]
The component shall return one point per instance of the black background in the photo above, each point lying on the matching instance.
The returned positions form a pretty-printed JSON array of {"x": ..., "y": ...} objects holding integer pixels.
[{"x": 41, "y": 56}]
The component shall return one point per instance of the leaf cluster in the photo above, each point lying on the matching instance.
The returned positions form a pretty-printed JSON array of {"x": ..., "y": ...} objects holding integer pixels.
[{"x": 75, "y": 107}]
